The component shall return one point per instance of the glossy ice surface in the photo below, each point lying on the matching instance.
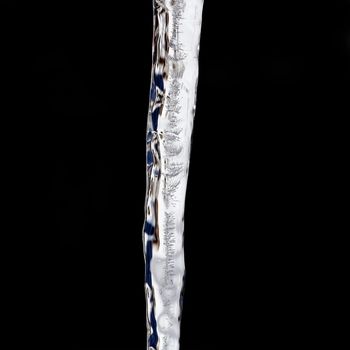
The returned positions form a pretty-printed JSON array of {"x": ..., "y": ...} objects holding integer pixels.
[{"x": 177, "y": 26}]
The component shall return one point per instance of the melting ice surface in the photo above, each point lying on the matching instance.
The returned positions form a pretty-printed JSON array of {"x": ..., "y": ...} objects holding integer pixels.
[{"x": 176, "y": 36}]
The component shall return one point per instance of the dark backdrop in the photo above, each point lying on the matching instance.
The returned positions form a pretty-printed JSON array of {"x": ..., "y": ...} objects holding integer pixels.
[{"x": 270, "y": 74}]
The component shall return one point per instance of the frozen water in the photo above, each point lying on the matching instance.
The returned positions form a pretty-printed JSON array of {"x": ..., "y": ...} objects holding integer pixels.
[{"x": 176, "y": 35}]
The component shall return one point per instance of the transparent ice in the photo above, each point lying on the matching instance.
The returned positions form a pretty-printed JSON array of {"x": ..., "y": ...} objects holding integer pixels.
[{"x": 176, "y": 36}]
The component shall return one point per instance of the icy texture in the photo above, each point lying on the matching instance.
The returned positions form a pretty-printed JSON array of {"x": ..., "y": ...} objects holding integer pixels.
[{"x": 177, "y": 26}]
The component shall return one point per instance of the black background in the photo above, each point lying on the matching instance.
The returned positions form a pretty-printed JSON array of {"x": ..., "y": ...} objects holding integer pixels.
[{"x": 269, "y": 74}]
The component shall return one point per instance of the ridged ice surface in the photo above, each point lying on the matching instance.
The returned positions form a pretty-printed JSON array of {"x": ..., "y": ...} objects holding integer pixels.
[{"x": 176, "y": 34}]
